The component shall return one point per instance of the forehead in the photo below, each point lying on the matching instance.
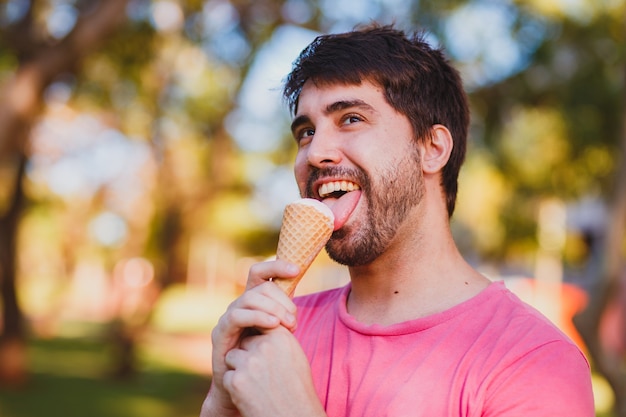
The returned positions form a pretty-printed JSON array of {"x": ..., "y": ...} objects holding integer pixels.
[{"x": 316, "y": 96}]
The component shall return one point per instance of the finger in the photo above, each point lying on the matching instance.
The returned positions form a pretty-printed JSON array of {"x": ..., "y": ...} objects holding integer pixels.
[
  {"x": 269, "y": 299},
  {"x": 235, "y": 384},
  {"x": 264, "y": 307},
  {"x": 278, "y": 303},
  {"x": 255, "y": 342},
  {"x": 264, "y": 271},
  {"x": 236, "y": 320},
  {"x": 228, "y": 380},
  {"x": 233, "y": 358}
]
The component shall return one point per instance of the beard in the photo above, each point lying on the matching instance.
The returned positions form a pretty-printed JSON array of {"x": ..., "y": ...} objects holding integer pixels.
[{"x": 389, "y": 201}]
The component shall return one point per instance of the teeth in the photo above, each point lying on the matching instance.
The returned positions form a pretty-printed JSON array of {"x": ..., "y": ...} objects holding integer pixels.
[{"x": 330, "y": 187}]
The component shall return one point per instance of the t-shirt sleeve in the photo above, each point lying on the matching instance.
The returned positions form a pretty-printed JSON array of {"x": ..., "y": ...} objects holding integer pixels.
[{"x": 553, "y": 380}]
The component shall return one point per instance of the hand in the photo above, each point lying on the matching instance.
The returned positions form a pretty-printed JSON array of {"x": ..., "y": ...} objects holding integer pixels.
[
  {"x": 262, "y": 306},
  {"x": 269, "y": 375}
]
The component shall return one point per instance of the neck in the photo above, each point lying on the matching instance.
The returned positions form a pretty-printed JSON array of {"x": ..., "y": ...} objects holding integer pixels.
[{"x": 421, "y": 273}]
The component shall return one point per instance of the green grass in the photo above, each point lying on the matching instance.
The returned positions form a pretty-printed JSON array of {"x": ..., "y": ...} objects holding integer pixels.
[{"x": 68, "y": 377}]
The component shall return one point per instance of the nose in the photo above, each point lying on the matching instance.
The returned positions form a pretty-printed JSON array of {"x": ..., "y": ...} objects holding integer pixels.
[{"x": 323, "y": 150}]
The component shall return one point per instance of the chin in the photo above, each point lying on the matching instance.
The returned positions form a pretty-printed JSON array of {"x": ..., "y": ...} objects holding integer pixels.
[{"x": 351, "y": 255}]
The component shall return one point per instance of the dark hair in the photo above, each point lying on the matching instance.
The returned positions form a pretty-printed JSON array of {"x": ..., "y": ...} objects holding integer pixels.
[{"x": 417, "y": 79}]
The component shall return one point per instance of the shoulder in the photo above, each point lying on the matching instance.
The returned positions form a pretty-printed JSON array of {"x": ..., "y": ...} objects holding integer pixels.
[
  {"x": 502, "y": 311},
  {"x": 533, "y": 367},
  {"x": 515, "y": 329},
  {"x": 551, "y": 380}
]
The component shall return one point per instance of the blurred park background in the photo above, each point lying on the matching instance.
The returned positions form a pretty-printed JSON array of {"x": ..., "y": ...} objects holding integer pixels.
[{"x": 145, "y": 159}]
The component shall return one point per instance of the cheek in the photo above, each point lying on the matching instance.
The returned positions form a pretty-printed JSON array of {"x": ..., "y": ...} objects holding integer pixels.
[{"x": 300, "y": 172}]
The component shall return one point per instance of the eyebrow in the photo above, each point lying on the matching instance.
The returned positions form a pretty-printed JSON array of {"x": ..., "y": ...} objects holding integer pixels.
[
  {"x": 297, "y": 122},
  {"x": 333, "y": 108},
  {"x": 347, "y": 104}
]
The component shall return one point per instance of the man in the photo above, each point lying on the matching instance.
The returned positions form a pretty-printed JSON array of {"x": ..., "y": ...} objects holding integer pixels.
[{"x": 383, "y": 118}]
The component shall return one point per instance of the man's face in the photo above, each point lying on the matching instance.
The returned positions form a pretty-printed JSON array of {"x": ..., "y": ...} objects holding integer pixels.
[{"x": 357, "y": 155}]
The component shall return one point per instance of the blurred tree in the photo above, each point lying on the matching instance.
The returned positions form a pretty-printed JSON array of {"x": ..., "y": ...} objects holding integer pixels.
[
  {"x": 554, "y": 127},
  {"x": 609, "y": 285},
  {"x": 39, "y": 58},
  {"x": 163, "y": 72},
  {"x": 12, "y": 354}
]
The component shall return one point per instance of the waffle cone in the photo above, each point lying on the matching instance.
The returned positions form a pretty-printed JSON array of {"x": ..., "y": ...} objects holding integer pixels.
[{"x": 307, "y": 226}]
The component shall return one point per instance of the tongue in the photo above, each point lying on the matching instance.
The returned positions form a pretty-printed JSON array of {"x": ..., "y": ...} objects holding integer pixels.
[{"x": 343, "y": 207}]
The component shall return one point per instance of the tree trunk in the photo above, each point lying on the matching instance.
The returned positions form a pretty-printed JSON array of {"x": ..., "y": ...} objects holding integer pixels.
[{"x": 12, "y": 340}]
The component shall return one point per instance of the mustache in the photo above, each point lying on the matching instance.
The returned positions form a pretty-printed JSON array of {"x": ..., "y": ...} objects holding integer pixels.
[{"x": 350, "y": 174}]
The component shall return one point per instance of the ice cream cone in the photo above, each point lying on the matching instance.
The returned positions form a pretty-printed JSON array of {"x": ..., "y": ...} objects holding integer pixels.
[{"x": 307, "y": 226}]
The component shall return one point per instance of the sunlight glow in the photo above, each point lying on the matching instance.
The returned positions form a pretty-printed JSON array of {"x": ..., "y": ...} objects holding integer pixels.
[
  {"x": 13, "y": 10},
  {"x": 297, "y": 11},
  {"x": 61, "y": 20},
  {"x": 108, "y": 229},
  {"x": 77, "y": 155},
  {"x": 482, "y": 37},
  {"x": 167, "y": 16},
  {"x": 256, "y": 123}
]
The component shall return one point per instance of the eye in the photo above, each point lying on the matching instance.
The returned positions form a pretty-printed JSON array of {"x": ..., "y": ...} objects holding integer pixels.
[
  {"x": 349, "y": 119},
  {"x": 304, "y": 135}
]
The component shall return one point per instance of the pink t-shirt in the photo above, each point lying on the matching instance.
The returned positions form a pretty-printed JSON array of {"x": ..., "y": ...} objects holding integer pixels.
[{"x": 490, "y": 356}]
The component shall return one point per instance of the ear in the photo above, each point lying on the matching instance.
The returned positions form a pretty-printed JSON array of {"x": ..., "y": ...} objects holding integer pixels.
[{"x": 436, "y": 149}]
